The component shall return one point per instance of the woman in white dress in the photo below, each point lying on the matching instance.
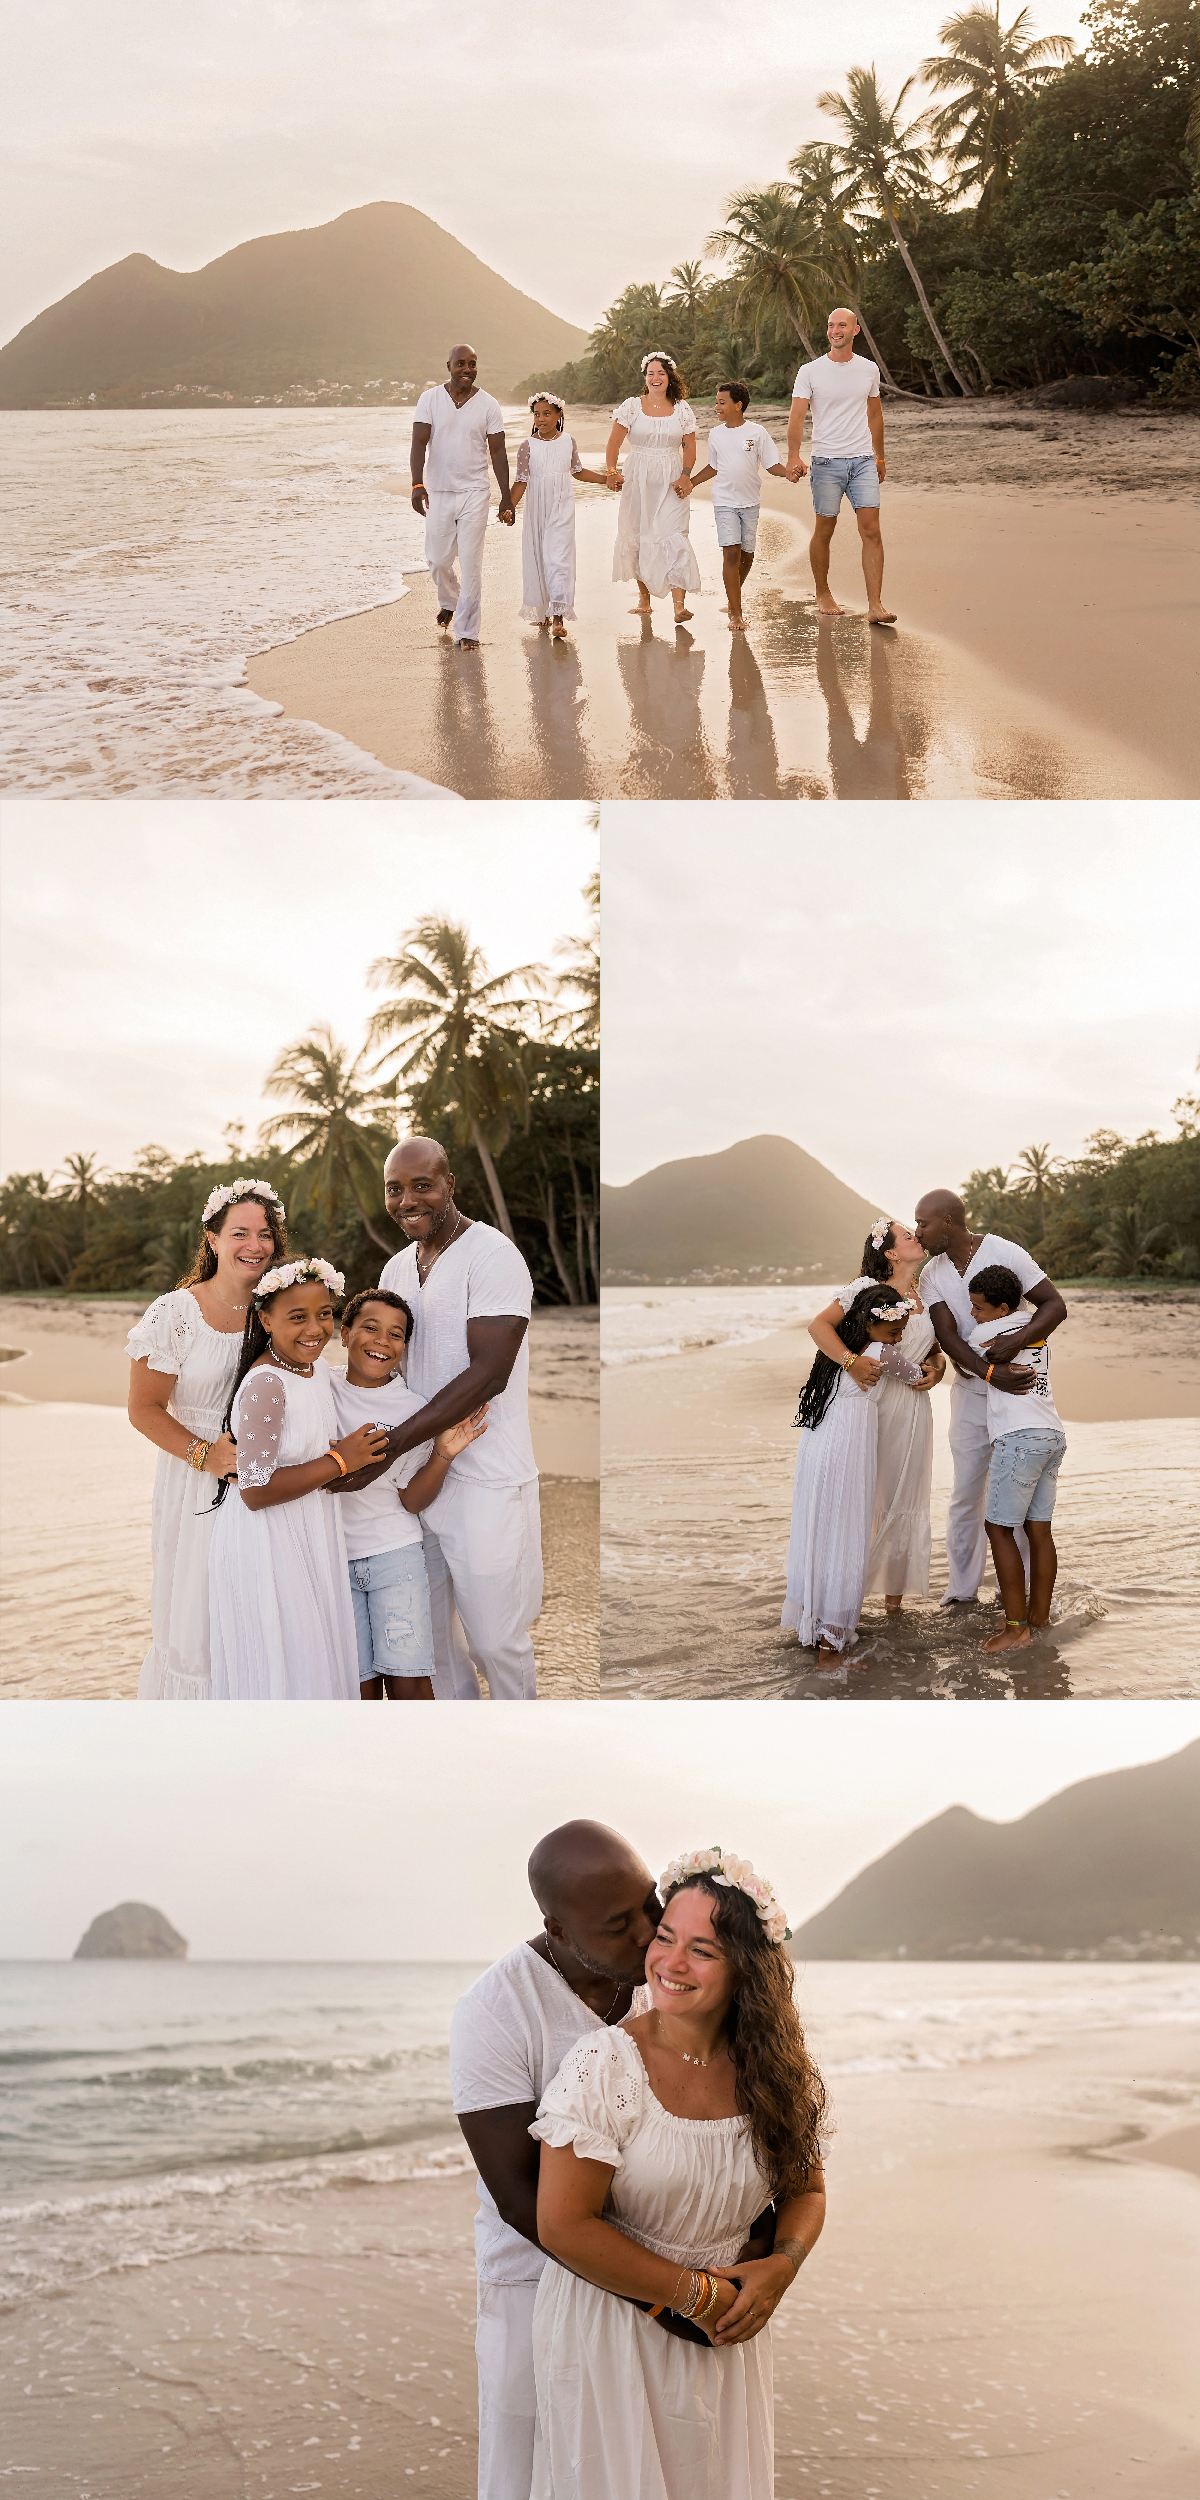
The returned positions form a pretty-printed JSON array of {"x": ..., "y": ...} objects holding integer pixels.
[
  {"x": 281, "y": 1616},
  {"x": 898, "y": 1562},
  {"x": 183, "y": 1358},
  {"x": 653, "y": 547},
  {"x": 663, "y": 2139},
  {"x": 833, "y": 1497},
  {"x": 547, "y": 462}
]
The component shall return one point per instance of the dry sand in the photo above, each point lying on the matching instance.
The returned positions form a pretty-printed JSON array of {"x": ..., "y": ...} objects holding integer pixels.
[
  {"x": 1044, "y": 571},
  {"x": 78, "y": 1480},
  {"x": 1001, "y": 2309}
]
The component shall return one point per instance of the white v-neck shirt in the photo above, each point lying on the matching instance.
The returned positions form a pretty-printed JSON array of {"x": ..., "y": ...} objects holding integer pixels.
[
  {"x": 457, "y": 457},
  {"x": 940, "y": 1282},
  {"x": 481, "y": 1276}
]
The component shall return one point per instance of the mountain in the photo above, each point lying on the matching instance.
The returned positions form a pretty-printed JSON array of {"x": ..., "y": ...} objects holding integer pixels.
[
  {"x": 1106, "y": 1871},
  {"x": 379, "y": 296},
  {"x": 759, "y": 1208},
  {"x": 133, "y": 1932}
]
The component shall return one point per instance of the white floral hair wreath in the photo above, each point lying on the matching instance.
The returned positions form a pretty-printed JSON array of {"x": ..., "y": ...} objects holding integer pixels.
[
  {"x": 298, "y": 1272},
  {"x": 881, "y": 1225},
  {"x": 551, "y": 397},
  {"x": 734, "y": 1874},
  {"x": 218, "y": 1198},
  {"x": 893, "y": 1310},
  {"x": 659, "y": 356}
]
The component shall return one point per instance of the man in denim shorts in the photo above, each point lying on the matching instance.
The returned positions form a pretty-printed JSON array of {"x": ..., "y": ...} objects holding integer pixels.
[
  {"x": 847, "y": 458},
  {"x": 1027, "y": 1441}
]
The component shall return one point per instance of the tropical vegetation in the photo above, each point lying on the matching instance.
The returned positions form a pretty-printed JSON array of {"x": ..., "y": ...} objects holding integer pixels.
[
  {"x": 1126, "y": 1207},
  {"x": 1020, "y": 213},
  {"x": 503, "y": 1069}
]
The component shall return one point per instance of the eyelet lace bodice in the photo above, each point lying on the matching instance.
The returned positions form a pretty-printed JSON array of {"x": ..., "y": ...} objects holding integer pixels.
[{"x": 173, "y": 1336}]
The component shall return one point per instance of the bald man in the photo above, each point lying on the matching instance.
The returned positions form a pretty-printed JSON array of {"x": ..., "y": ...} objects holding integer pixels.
[
  {"x": 509, "y": 2036},
  {"x": 842, "y": 390},
  {"x": 471, "y": 1295},
  {"x": 955, "y": 1255},
  {"x": 457, "y": 427}
]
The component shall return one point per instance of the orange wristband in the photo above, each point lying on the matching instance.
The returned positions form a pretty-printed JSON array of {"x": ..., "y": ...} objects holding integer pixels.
[
  {"x": 990, "y": 1369},
  {"x": 338, "y": 1460}
]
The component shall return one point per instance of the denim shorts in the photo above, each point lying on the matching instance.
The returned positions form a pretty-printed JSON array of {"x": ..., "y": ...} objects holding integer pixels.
[
  {"x": 390, "y": 1596},
  {"x": 857, "y": 480},
  {"x": 1023, "y": 1477},
  {"x": 737, "y": 525}
]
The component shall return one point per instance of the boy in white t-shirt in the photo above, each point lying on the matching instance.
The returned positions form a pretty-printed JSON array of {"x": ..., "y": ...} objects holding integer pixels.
[
  {"x": 842, "y": 390},
  {"x": 389, "y": 1585},
  {"x": 1027, "y": 1447},
  {"x": 737, "y": 451}
]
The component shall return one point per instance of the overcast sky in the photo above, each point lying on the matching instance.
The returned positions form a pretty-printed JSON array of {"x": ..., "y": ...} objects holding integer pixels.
[
  {"x": 156, "y": 959},
  {"x": 572, "y": 150},
  {"x": 836, "y": 982},
  {"x": 301, "y": 1842}
]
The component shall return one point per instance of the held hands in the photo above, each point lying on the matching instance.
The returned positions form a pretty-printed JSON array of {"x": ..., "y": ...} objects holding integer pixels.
[
  {"x": 683, "y": 486},
  {"x": 930, "y": 1376},
  {"x": 363, "y": 1447},
  {"x": 757, "y": 2288},
  {"x": 460, "y": 1436},
  {"x": 865, "y": 1371},
  {"x": 506, "y": 514},
  {"x": 614, "y": 481},
  {"x": 795, "y": 470}
]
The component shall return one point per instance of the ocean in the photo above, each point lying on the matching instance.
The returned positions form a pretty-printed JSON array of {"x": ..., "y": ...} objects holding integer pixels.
[
  {"x": 148, "y": 555},
  {"x": 156, "y": 2110}
]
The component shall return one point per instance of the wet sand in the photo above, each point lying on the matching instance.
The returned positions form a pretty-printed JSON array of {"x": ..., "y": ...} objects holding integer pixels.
[
  {"x": 78, "y": 1482},
  {"x": 699, "y": 1457},
  {"x": 1000, "y": 2305},
  {"x": 1047, "y": 605}
]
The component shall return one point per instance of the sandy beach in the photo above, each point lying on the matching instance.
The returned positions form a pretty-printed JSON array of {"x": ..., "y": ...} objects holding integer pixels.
[
  {"x": 1042, "y": 564},
  {"x": 1001, "y": 2305},
  {"x": 88, "y": 1521},
  {"x": 699, "y": 1456}
]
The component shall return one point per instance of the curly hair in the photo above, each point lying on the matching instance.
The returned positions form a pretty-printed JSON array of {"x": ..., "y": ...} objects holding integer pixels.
[
  {"x": 776, "y": 2083},
  {"x": 204, "y": 1264},
  {"x": 820, "y": 1388},
  {"x": 676, "y": 386}
]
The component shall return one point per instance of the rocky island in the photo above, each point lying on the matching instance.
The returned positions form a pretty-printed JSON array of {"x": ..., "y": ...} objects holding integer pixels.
[{"x": 133, "y": 1932}]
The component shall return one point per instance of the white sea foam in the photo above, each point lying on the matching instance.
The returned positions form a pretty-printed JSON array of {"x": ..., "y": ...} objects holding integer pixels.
[
  {"x": 648, "y": 1323},
  {"x": 148, "y": 555}
]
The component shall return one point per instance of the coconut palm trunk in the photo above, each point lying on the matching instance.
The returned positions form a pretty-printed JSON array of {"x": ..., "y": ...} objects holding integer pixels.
[
  {"x": 926, "y": 307},
  {"x": 552, "y": 1236},
  {"x": 492, "y": 1177},
  {"x": 875, "y": 352},
  {"x": 380, "y": 1239}
]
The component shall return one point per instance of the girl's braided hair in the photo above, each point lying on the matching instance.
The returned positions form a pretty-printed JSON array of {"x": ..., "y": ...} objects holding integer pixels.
[{"x": 820, "y": 1388}]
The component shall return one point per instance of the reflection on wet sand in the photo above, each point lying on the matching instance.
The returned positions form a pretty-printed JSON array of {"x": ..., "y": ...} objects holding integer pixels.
[{"x": 633, "y": 707}]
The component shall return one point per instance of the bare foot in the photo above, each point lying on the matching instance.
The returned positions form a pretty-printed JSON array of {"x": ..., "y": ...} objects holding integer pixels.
[
  {"x": 643, "y": 608},
  {"x": 827, "y": 1657},
  {"x": 828, "y": 606},
  {"x": 1017, "y": 1638},
  {"x": 892, "y": 1605},
  {"x": 543, "y": 624},
  {"x": 737, "y": 624},
  {"x": 443, "y": 617},
  {"x": 466, "y": 644},
  {"x": 559, "y": 630},
  {"x": 683, "y": 616},
  {"x": 881, "y": 616}
]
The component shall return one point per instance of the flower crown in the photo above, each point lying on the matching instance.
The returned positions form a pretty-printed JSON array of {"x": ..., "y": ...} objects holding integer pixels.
[
  {"x": 298, "y": 1272},
  {"x": 893, "y": 1310},
  {"x": 218, "y": 1198},
  {"x": 659, "y": 356},
  {"x": 551, "y": 397},
  {"x": 735, "y": 1874},
  {"x": 881, "y": 1226}
]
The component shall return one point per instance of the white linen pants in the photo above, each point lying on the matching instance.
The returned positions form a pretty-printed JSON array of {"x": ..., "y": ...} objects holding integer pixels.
[
  {"x": 454, "y": 527},
  {"x": 966, "y": 1534},
  {"x": 483, "y": 1554},
  {"x": 507, "y": 2395}
]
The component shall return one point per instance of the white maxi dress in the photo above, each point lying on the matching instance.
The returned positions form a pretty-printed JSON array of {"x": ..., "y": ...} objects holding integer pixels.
[
  {"x": 833, "y": 1502},
  {"x": 653, "y": 545},
  {"x": 626, "y": 2411},
  {"x": 173, "y": 1336},
  {"x": 282, "y": 1620},
  {"x": 548, "y": 526},
  {"x": 898, "y": 1561}
]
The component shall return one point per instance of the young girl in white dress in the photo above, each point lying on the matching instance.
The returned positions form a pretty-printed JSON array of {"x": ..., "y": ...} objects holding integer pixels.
[
  {"x": 898, "y": 1561},
  {"x": 183, "y": 1359},
  {"x": 834, "y": 1495},
  {"x": 659, "y": 430},
  {"x": 546, "y": 463},
  {"x": 281, "y": 1617},
  {"x": 663, "y": 2139}
]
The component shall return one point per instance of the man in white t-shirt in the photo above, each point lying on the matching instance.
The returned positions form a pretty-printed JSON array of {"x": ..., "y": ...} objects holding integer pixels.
[
  {"x": 956, "y": 1254},
  {"x": 847, "y": 458},
  {"x": 456, "y": 430},
  {"x": 737, "y": 451},
  {"x": 509, "y": 2036},
  {"x": 471, "y": 1294}
]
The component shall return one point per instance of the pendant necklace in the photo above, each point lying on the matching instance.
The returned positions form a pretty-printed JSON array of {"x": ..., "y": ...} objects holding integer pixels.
[
  {"x": 422, "y": 1273},
  {"x": 303, "y": 1371},
  {"x": 622, "y": 1984},
  {"x": 685, "y": 2054}
]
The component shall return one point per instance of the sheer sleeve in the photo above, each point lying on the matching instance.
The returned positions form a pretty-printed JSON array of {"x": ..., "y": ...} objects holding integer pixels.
[
  {"x": 594, "y": 2099},
  {"x": 522, "y": 476},
  {"x": 576, "y": 462},
  {"x": 261, "y": 1407},
  {"x": 163, "y": 1337}
]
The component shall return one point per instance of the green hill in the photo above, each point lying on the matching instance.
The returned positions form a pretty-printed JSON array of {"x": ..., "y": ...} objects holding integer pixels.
[
  {"x": 1108, "y": 1870},
  {"x": 378, "y": 296},
  {"x": 762, "y": 1207}
]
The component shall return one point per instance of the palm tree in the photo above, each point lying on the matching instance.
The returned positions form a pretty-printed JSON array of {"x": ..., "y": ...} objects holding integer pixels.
[
  {"x": 35, "y": 1235},
  {"x": 686, "y": 288},
  {"x": 338, "y": 1119},
  {"x": 1038, "y": 1167},
  {"x": 815, "y": 179},
  {"x": 83, "y": 1171},
  {"x": 780, "y": 266},
  {"x": 991, "y": 73},
  {"x": 581, "y": 976},
  {"x": 885, "y": 173},
  {"x": 1129, "y": 1246},
  {"x": 463, "y": 1037}
]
